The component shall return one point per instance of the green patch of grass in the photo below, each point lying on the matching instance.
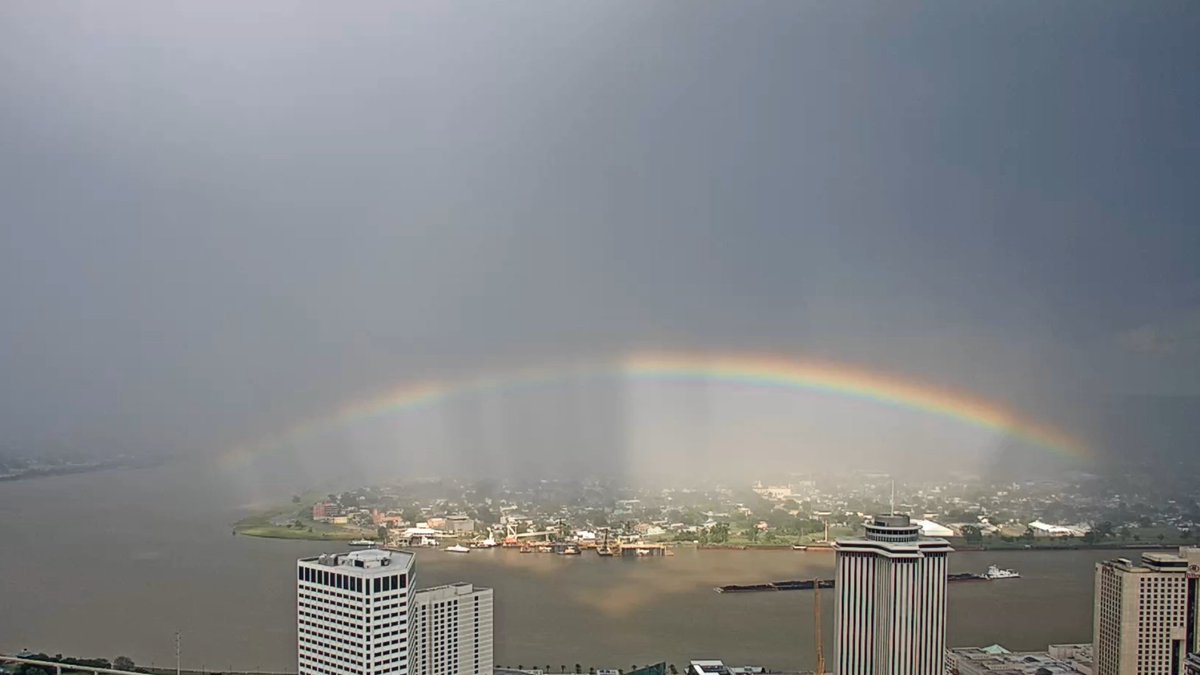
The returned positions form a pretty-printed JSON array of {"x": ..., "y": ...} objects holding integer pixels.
[{"x": 263, "y": 525}]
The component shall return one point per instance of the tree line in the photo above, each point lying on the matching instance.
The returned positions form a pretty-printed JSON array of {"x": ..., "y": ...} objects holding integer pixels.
[{"x": 119, "y": 663}]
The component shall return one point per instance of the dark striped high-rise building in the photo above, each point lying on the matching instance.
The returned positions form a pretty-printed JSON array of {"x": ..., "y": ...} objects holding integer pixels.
[{"x": 890, "y": 606}]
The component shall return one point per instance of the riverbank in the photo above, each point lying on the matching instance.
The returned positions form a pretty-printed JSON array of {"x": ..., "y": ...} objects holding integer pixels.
[
  {"x": 298, "y": 526},
  {"x": 87, "y": 467}
]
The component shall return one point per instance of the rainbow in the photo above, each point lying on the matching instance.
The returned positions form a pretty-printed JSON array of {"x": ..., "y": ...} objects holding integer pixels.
[{"x": 770, "y": 372}]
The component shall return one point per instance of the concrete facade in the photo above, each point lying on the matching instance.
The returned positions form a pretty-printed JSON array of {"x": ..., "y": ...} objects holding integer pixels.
[
  {"x": 890, "y": 601},
  {"x": 1144, "y": 615},
  {"x": 452, "y": 630},
  {"x": 352, "y": 613}
]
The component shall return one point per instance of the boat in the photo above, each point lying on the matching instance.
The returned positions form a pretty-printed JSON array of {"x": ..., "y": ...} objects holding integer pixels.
[
  {"x": 604, "y": 549},
  {"x": 570, "y": 550},
  {"x": 994, "y": 572},
  {"x": 748, "y": 588},
  {"x": 807, "y": 584},
  {"x": 526, "y": 549},
  {"x": 966, "y": 576},
  {"x": 799, "y": 547},
  {"x": 363, "y": 542},
  {"x": 458, "y": 548},
  {"x": 802, "y": 585},
  {"x": 486, "y": 543}
]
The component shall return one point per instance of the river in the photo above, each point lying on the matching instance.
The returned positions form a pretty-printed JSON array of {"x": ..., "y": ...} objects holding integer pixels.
[{"x": 115, "y": 562}]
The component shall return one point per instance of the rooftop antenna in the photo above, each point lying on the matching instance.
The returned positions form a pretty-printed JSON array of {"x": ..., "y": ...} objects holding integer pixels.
[{"x": 893, "y": 496}]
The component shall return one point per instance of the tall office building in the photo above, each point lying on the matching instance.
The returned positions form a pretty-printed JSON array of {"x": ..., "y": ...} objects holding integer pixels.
[
  {"x": 452, "y": 631},
  {"x": 890, "y": 601},
  {"x": 1145, "y": 620},
  {"x": 352, "y": 612}
]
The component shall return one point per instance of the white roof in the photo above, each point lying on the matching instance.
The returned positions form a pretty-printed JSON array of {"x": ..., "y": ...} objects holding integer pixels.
[{"x": 932, "y": 529}]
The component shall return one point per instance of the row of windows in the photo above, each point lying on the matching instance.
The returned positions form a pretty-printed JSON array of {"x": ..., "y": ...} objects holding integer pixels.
[
  {"x": 337, "y": 658},
  {"x": 357, "y": 616},
  {"x": 331, "y": 629},
  {"x": 357, "y": 620},
  {"x": 314, "y": 592},
  {"x": 312, "y": 665},
  {"x": 331, "y": 642},
  {"x": 330, "y": 578},
  {"x": 311, "y": 587},
  {"x": 348, "y": 582}
]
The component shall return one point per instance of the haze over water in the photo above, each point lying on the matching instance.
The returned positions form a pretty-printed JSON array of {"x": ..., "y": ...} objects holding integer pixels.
[{"x": 153, "y": 547}]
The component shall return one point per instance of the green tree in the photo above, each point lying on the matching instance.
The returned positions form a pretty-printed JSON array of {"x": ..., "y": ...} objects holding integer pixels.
[
  {"x": 123, "y": 663},
  {"x": 295, "y": 499},
  {"x": 972, "y": 534},
  {"x": 578, "y": 669}
]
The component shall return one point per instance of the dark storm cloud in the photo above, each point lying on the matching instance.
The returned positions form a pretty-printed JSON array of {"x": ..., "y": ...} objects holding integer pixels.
[{"x": 219, "y": 217}]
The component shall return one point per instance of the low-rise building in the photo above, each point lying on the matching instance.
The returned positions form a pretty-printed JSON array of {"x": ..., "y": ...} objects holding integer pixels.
[
  {"x": 708, "y": 667},
  {"x": 996, "y": 660},
  {"x": 459, "y": 524}
]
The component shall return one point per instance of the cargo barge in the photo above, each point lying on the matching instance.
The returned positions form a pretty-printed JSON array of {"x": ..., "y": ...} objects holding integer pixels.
[{"x": 807, "y": 584}]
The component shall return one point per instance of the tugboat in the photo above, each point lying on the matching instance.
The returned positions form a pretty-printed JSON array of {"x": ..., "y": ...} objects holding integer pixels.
[
  {"x": 604, "y": 549},
  {"x": 994, "y": 572}
]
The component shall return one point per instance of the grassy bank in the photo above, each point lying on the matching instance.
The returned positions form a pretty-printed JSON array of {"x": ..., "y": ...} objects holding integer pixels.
[{"x": 264, "y": 525}]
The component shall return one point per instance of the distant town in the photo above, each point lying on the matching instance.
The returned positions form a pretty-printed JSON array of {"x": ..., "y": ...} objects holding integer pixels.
[
  {"x": 19, "y": 467},
  {"x": 564, "y": 516}
]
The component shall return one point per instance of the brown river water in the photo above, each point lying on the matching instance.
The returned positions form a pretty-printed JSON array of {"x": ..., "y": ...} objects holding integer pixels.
[{"x": 115, "y": 562}]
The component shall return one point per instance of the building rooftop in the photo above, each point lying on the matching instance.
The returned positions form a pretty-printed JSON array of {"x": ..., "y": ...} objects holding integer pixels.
[
  {"x": 459, "y": 588},
  {"x": 996, "y": 660},
  {"x": 895, "y": 535},
  {"x": 366, "y": 561},
  {"x": 1157, "y": 561},
  {"x": 708, "y": 667}
]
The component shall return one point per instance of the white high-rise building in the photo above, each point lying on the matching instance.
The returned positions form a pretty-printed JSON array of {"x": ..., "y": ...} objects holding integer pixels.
[
  {"x": 890, "y": 601},
  {"x": 1145, "y": 619},
  {"x": 452, "y": 631},
  {"x": 352, "y": 613}
]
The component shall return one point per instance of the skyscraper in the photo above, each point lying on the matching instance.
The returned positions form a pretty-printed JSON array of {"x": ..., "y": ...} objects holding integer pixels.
[
  {"x": 452, "y": 631},
  {"x": 1145, "y": 616},
  {"x": 890, "y": 601},
  {"x": 352, "y": 612}
]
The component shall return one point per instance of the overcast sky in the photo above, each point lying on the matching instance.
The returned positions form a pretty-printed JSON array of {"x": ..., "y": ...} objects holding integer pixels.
[{"x": 219, "y": 217}]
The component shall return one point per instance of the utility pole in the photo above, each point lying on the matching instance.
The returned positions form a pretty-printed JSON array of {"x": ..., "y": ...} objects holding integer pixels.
[
  {"x": 819, "y": 640},
  {"x": 176, "y": 652}
]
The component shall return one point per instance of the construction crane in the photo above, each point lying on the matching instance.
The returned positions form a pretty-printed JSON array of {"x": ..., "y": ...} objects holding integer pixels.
[{"x": 817, "y": 627}]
